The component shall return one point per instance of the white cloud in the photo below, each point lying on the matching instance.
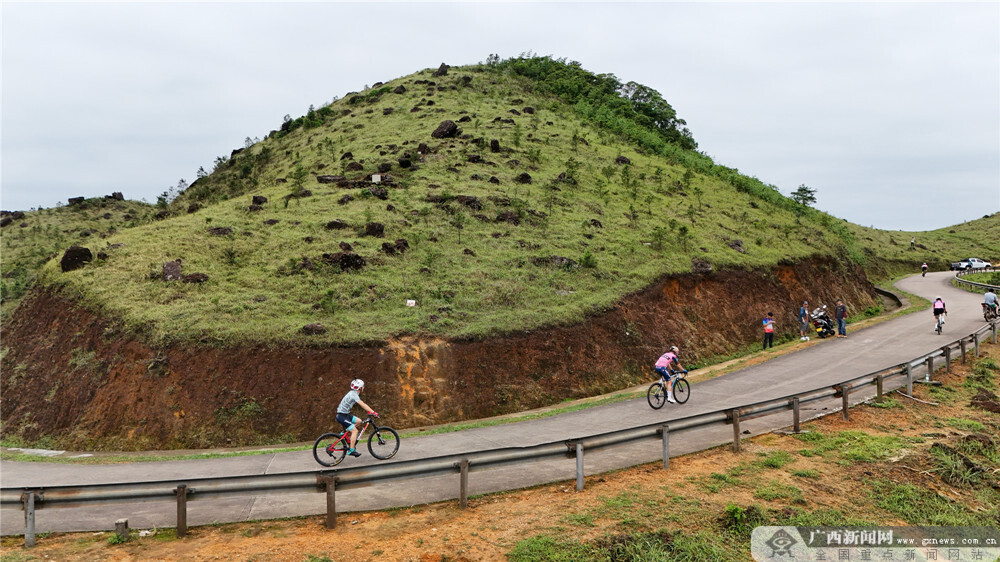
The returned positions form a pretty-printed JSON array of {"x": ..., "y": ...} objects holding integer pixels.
[{"x": 876, "y": 105}]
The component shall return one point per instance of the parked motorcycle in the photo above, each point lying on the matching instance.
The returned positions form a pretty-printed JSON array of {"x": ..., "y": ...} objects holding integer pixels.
[
  {"x": 823, "y": 323},
  {"x": 989, "y": 312}
]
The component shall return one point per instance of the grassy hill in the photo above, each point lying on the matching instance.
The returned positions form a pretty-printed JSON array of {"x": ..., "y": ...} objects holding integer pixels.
[
  {"x": 32, "y": 238},
  {"x": 559, "y": 193}
]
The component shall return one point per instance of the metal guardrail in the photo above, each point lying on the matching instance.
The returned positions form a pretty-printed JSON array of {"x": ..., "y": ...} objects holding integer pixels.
[
  {"x": 972, "y": 285},
  {"x": 183, "y": 490}
]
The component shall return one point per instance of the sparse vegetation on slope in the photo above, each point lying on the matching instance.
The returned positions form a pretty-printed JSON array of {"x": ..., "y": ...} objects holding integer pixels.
[
  {"x": 553, "y": 193},
  {"x": 30, "y": 239}
]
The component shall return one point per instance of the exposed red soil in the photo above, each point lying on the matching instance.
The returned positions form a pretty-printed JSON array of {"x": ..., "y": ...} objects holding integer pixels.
[{"x": 68, "y": 372}]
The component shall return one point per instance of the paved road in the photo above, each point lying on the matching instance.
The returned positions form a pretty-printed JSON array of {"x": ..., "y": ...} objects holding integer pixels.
[{"x": 881, "y": 346}]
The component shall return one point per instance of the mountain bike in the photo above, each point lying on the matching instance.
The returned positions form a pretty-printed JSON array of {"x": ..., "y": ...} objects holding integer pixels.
[
  {"x": 331, "y": 448},
  {"x": 657, "y": 393}
]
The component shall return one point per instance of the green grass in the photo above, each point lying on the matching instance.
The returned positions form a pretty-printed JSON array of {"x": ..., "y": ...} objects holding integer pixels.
[
  {"x": 919, "y": 506},
  {"x": 543, "y": 548},
  {"x": 983, "y": 376},
  {"x": 886, "y": 403},
  {"x": 776, "y": 459},
  {"x": 579, "y": 519},
  {"x": 650, "y": 545},
  {"x": 28, "y": 243},
  {"x": 850, "y": 446},
  {"x": 777, "y": 490},
  {"x": 716, "y": 482},
  {"x": 806, "y": 473},
  {"x": 669, "y": 206},
  {"x": 965, "y": 424},
  {"x": 990, "y": 278},
  {"x": 953, "y": 470}
]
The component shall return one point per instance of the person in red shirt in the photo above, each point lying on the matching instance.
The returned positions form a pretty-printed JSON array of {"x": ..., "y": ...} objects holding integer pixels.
[{"x": 768, "y": 330}]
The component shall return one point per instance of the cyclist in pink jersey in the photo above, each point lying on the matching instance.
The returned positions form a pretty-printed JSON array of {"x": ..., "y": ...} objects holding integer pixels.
[{"x": 664, "y": 365}]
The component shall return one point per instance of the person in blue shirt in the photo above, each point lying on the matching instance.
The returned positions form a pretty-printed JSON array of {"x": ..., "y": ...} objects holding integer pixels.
[{"x": 804, "y": 321}]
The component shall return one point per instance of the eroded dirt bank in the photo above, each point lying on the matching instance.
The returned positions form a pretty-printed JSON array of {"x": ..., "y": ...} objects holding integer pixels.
[{"x": 69, "y": 374}]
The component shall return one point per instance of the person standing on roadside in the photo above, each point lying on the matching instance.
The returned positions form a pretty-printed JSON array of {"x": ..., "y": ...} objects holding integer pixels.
[
  {"x": 768, "y": 330},
  {"x": 804, "y": 321},
  {"x": 840, "y": 313}
]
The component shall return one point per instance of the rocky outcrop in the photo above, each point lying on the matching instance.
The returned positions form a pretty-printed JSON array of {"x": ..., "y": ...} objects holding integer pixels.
[
  {"x": 447, "y": 129},
  {"x": 75, "y": 257}
]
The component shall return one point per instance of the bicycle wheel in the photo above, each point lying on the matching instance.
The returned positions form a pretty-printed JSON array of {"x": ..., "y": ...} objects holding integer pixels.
[
  {"x": 329, "y": 449},
  {"x": 383, "y": 443},
  {"x": 656, "y": 396},
  {"x": 682, "y": 390}
]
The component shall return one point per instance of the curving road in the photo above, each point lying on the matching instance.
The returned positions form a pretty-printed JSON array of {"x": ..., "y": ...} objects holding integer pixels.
[{"x": 881, "y": 346}]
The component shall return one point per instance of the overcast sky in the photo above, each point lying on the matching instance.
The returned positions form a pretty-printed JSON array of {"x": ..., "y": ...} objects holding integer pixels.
[{"x": 891, "y": 111}]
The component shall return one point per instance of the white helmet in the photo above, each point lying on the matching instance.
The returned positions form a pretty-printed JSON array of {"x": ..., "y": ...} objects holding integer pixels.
[
  {"x": 674, "y": 348},
  {"x": 357, "y": 384}
]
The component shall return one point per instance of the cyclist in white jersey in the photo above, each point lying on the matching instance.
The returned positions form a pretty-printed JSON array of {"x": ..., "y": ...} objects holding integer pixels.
[{"x": 344, "y": 412}]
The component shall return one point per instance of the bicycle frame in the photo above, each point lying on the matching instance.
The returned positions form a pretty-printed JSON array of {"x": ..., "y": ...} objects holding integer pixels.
[
  {"x": 674, "y": 376},
  {"x": 362, "y": 428}
]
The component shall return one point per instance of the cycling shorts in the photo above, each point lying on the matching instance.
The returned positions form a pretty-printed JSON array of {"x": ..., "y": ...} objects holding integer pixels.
[
  {"x": 663, "y": 372},
  {"x": 347, "y": 420},
  {"x": 938, "y": 311}
]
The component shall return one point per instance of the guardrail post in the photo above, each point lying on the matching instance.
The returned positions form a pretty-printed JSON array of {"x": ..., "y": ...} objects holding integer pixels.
[
  {"x": 844, "y": 396},
  {"x": 121, "y": 529},
  {"x": 961, "y": 344},
  {"x": 975, "y": 342},
  {"x": 182, "y": 516},
  {"x": 909, "y": 379},
  {"x": 665, "y": 429},
  {"x": 795, "y": 415},
  {"x": 947, "y": 358},
  {"x": 930, "y": 369},
  {"x": 28, "y": 499},
  {"x": 736, "y": 431},
  {"x": 330, "y": 483},
  {"x": 579, "y": 467},
  {"x": 994, "y": 331},
  {"x": 878, "y": 389},
  {"x": 463, "y": 484}
]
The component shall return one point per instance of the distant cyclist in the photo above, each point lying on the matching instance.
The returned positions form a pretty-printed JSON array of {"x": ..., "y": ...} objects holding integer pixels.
[
  {"x": 664, "y": 365},
  {"x": 344, "y": 416},
  {"x": 923, "y": 270}
]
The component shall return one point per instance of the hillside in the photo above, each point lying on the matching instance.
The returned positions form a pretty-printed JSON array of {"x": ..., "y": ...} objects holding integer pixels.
[
  {"x": 531, "y": 211},
  {"x": 29, "y": 239},
  {"x": 553, "y": 230}
]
